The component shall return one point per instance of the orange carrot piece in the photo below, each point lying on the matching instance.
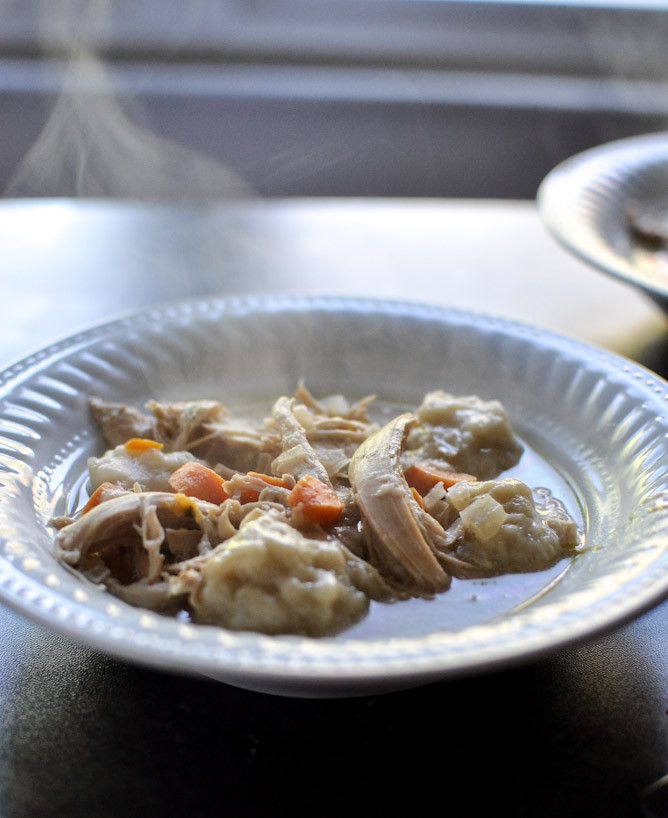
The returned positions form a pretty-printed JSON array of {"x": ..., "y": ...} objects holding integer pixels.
[
  {"x": 251, "y": 495},
  {"x": 195, "y": 480},
  {"x": 96, "y": 497},
  {"x": 312, "y": 501},
  {"x": 248, "y": 496},
  {"x": 137, "y": 445},
  {"x": 423, "y": 477},
  {"x": 417, "y": 497},
  {"x": 268, "y": 478}
]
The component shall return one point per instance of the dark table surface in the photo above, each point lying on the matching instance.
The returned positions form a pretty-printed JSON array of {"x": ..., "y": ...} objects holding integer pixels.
[{"x": 580, "y": 733}]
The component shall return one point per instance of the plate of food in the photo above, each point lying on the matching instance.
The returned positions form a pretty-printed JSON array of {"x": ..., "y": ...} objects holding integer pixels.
[
  {"x": 609, "y": 206},
  {"x": 323, "y": 496}
]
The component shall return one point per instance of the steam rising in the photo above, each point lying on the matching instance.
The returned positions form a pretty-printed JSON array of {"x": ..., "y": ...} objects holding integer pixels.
[{"x": 91, "y": 146}]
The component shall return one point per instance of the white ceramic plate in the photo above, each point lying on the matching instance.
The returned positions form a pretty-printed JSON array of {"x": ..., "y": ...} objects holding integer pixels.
[
  {"x": 585, "y": 200},
  {"x": 594, "y": 426}
]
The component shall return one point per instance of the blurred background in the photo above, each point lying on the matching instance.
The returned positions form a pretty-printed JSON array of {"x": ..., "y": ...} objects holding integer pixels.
[{"x": 318, "y": 97}]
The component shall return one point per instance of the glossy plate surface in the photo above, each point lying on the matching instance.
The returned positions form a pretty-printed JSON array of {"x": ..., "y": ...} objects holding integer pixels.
[
  {"x": 586, "y": 203},
  {"x": 594, "y": 427}
]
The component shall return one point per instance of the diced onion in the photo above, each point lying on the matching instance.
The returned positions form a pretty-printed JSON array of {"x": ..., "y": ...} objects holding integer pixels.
[
  {"x": 459, "y": 495},
  {"x": 483, "y": 517}
]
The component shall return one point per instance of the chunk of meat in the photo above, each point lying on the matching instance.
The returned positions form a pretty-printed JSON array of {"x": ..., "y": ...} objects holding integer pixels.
[
  {"x": 298, "y": 456},
  {"x": 122, "y": 537},
  {"x": 401, "y": 536},
  {"x": 209, "y": 430},
  {"x": 335, "y": 405},
  {"x": 119, "y": 422}
]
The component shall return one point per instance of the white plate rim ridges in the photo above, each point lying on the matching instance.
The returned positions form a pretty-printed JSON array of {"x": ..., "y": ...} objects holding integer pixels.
[{"x": 43, "y": 392}]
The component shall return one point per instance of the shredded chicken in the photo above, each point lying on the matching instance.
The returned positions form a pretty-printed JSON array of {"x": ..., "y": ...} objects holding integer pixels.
[
  {"x": 119, "y": 422},
  {"x": 123, "y": 536},
  {"x": 298, "y": 456},
  {"x": 208, "y": 430},
  {"x": 311, "y": 513},
  {"x": 402, "y": 536}
]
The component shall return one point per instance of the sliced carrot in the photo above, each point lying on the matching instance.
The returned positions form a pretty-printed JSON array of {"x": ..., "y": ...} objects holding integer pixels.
[
  {"x": 313, "y": 501},
  {"x": 96, "y": 497},
  {"x": 423, "y": 477},
  {"x": 195, "y": 480},
  {"x": 137, "y": 445}
]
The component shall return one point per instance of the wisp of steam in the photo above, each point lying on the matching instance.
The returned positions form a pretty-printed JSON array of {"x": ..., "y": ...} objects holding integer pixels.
[{"x": 92, "y": 147}]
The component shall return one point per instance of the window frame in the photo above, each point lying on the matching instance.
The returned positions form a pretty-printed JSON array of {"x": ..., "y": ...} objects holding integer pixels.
[{"x": 567, "y": 38}]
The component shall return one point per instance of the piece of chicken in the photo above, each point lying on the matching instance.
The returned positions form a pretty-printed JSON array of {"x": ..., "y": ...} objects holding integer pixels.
[
  {"x": 402, "y": 538},
  {"x": 298, "y": 457},
  {"x": 123, "y": 536},
  {"x": 209, "y": 430},
  {"x": 119, "y": 422}
]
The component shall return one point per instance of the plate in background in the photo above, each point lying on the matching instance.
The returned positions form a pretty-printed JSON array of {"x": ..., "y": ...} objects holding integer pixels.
[
  {"x": 609, "y": 206},
  {"x": 594, "y": 426}
]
